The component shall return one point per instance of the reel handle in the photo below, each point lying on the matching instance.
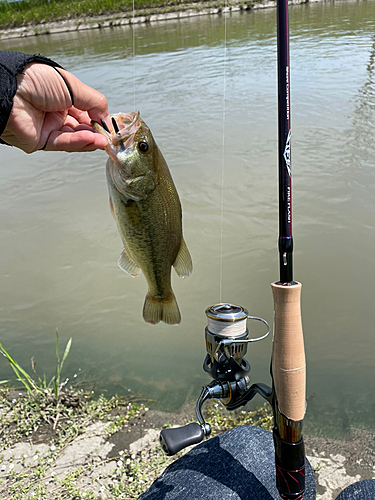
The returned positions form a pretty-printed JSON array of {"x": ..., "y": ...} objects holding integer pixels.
[{"x": 174, "y": 440}]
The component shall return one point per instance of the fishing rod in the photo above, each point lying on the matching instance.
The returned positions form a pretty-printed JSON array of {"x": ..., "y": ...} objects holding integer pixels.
[
  {"x": 288, "y": 365},
  {"x": 227, "y": 335}
]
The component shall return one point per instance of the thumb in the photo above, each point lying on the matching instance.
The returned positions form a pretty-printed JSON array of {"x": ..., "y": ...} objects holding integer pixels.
[{"x": 86, "y": 98}]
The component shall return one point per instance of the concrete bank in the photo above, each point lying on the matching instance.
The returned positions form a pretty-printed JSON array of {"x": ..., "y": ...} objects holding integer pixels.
[{"x": 167, "y": 13}]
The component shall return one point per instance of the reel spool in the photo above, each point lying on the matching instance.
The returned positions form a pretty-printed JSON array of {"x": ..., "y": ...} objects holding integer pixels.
[
  {"x": 227, "y": 337},
  {"x": 226, "y": 321}
]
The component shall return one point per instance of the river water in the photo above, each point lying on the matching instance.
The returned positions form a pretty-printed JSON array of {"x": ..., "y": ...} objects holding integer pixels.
[{"x": 60, "y": 246}]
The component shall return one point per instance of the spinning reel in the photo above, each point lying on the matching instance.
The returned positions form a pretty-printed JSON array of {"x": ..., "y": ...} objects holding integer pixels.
[{"x": 227, "y": 338}]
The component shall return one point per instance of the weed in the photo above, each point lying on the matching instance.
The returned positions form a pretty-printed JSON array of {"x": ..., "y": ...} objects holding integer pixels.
[
  {"x": 34, "y": 388},
  {"x": 222, "y": 420}
]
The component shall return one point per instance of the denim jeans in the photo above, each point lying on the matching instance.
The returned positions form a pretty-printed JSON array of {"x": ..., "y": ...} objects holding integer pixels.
[
  {"x": 236, "y": 465},
  {"x": 363, "y": 490}
]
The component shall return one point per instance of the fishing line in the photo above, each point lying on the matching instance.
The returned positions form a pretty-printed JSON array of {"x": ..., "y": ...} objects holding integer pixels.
[
  {"x": 133, "y": 31},
  {"x": 223, "y": 158}
]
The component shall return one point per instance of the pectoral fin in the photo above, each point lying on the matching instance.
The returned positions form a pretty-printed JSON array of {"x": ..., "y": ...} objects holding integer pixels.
[
  {"x": 111, "y": 208},
  {"x": 127, "y": 264},
  {"x": 183, "y": 264}
]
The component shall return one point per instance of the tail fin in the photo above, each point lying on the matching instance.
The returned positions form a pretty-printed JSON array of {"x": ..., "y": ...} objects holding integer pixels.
[{"x": 155, "y": 310}]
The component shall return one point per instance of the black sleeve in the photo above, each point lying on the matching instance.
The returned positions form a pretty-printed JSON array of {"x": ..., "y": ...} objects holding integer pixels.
[{"x": 11, "y": 65}]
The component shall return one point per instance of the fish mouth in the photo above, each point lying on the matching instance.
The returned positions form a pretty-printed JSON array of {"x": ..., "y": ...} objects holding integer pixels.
[{"x": 120, "y": 133}]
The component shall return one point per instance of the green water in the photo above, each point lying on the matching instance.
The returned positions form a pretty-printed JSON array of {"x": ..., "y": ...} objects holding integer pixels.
[{"x": 60, "y": 246}]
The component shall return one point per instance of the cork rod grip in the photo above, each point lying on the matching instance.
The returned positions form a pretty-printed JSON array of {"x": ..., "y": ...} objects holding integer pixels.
[{"x": 288, "y": 352}]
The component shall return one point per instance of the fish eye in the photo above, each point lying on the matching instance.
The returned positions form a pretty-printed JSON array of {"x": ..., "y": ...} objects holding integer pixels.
[{"x": 143, "y": 146}]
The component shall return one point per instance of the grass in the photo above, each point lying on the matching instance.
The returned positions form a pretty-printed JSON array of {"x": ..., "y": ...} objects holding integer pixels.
[
  {"x": 32, "y": 387},
  {"x": 66, "y": 410},
  {"x": 35, "y": 12},
  {"x": 38, "y": 11},
  {"x": 221, "y": 420},
  {"x": 64, "y": 415}
]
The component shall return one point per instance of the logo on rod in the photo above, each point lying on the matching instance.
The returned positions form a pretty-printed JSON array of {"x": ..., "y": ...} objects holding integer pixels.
[{"x": 287, "y": 153}]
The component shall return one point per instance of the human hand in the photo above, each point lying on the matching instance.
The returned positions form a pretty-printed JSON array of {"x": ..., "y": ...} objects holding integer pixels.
[{"x": 43, "y": 117}]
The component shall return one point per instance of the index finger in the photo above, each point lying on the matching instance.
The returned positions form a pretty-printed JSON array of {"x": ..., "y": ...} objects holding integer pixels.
[{"x": 86, "y": 98}]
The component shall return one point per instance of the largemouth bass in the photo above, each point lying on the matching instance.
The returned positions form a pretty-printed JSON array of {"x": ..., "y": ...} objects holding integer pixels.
[{"x": 147, "y": 209}]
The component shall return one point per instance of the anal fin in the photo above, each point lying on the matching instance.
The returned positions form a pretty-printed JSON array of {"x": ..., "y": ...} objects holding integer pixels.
[{"x": 183, "y": 264}]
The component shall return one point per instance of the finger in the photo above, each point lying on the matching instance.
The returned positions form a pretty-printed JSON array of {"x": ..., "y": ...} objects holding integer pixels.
[
  {"x": 84, "y": 127},
  {"x": 87, "y": 98},
  {"x": 71, "y": 122},
  {"x": 76, "y": 141},
  {"x": 79, "y": 115},
  {"x": 52, "y": 122},
  {"x": 68, "y": 128},
  {"x": 59, "y": 122},
  {"x": 75, "y": 125}
]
